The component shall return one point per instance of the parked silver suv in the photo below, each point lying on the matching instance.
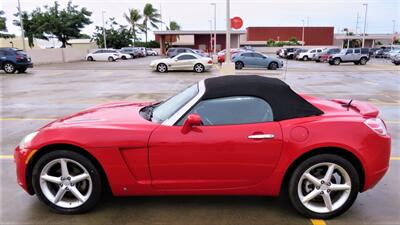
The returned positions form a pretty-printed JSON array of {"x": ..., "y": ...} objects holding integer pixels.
[{"x": 358, "y": 56}]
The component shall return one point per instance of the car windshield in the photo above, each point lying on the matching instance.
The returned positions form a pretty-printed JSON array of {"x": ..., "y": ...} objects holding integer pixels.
[{"x": 166, "y": 109}]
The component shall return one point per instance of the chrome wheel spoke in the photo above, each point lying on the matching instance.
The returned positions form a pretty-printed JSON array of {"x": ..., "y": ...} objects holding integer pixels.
[
  {"x": 77, "y": 194},
  {"x": 51, "y": 179},
  {"x": 327, "y": 201},
  {"x": 310, "y": 196},
  {"x": 312, "y": 179},
  {"x": 329, "y": 173},
  {"x": 79, "y": 178},
  {"x": 340, "y": 187},
  {"x": 60, "y": 194},
  {"x": 64, "y": 168}
]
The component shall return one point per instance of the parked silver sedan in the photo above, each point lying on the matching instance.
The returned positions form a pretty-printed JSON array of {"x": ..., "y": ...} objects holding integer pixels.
[{"x": 183, "y": 61}]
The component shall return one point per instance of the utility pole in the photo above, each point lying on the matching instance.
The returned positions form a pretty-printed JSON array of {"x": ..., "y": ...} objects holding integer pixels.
[
  {"x": 104, "y": 30},
  {"x": 22, "y": 25},
  {"x": 394, "y": 31},
  {"x": 302, "y": 34},
  {"x": 308, "y": 21},
  {"x": 161, "y": 22},
  {"x": 365, "y": 24},
  {"x": 215, "y": 28}
]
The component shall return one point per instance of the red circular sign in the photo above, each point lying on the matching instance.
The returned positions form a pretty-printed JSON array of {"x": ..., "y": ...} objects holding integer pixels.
[{"x": 236, "y": 22}]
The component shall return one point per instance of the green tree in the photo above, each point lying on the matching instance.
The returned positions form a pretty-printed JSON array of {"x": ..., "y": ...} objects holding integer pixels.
[
  {"x": 150, "y": 16},
  {"x": 32, "y": 25},
  {"x": 293, "y": 39},
  {"x": 133, "y": 18},
  {"x": 63, "y": 24},
  {"x": 270, "y": 42},
  {"x": 173, "y": 25},
  {"x": 117, "y": 36},
  {"x": 3, "y": 26}
]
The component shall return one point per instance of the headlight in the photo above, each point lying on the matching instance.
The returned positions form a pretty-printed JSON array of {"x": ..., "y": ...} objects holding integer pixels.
[{"x": 26, "y": 141}]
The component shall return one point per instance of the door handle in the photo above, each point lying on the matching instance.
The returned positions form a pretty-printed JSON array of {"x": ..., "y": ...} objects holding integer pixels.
[{"x": 261, "y": 136}]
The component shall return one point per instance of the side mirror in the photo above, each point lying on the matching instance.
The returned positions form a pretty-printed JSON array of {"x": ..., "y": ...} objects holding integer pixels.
[{"x": 191, "y": 121}]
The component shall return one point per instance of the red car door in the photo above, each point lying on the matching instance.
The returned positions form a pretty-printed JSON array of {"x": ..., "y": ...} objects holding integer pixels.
[{"x": 214, "y": 155}]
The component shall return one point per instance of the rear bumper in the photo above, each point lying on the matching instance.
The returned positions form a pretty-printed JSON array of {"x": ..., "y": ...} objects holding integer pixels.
[{"x": 376, "y": 160}]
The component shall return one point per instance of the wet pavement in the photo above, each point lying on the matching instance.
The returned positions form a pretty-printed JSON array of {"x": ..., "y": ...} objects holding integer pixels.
[{"x": 30, "y": 100}]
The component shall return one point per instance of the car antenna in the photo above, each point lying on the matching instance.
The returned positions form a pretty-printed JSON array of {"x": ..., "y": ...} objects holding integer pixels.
[{"x": 349, "y": 104}]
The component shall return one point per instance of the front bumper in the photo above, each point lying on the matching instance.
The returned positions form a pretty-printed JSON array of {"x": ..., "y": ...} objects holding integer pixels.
[{"x": 21, "y": 159}]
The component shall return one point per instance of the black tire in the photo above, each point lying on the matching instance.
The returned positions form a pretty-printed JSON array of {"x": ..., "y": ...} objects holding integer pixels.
[
  {"x": 111, "y": 59},
  {"x": 94, "y": 174},
  {"x": 162, "y": 68},
  {"x": 239, "y": 65},
  {"x": 305, "y": 58},
  {"x": 22, "y": 70},
  {"x": 396, "y": 63},
  {"x": 363, "y": 61},
  {"x": 317, "y": 60},
  {"x": 123, "y": 57},
  {"x": 273, "y": 66},
  {"x": 9, "y": 67},
  {"x": 356, "y": 63},
  {"x": 324, "y": 158},
  {"x": 337, "y": 61},
  {"x": 198, "y": 68},
  {"x": 90, "y": 58}
]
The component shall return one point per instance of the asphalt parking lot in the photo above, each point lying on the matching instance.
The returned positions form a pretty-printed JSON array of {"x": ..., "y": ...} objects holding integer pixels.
[{"x": 32, "y": 99}]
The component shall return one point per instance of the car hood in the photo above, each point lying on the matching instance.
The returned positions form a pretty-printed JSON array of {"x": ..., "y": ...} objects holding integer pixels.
[{"x": 103, "y": 115}]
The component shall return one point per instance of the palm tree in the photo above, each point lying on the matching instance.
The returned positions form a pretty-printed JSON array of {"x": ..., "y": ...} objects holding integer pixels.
[
  {"x": 173, "y": 25},
  {"x": 150, "y": 15},
  {"x": 133, "y": 19}
]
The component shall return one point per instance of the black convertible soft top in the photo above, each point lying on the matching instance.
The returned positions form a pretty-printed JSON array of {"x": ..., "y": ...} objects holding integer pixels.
[{"x": 285, "y": 103}]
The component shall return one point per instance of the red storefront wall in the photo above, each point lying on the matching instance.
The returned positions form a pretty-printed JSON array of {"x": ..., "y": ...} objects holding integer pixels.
[
  {"x": 312, "y": 35},
  {"x": 204, "y": 39}
]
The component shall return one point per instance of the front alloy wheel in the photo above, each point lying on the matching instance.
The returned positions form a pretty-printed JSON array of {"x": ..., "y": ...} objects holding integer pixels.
[
  {"x": 324, "y": 186},
  {"x": 67, "y": 182},
  {"x": 162, "y": 68}
]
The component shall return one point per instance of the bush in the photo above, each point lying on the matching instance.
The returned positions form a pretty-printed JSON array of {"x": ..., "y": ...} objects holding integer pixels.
[{"x": 150, "y": 44}]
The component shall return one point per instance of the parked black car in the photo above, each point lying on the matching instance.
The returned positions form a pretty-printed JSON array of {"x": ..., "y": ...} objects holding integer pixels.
[{"x": 12, "y": 59}]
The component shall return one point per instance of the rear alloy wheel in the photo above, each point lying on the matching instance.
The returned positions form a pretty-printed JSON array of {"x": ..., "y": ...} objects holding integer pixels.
[
  {"x": 198, "y": 68},
  {"x": 273, "y": 66},
  {"x": 111, "y": 59},
  {"x": 363, "y": 61},
  {"x": 90, "y": 58},
  {"x": 305, "y": 58},
  {"x": 336, "y": 61},
  {"x": 9, "y": 68},
  {"x": 162, "y": 68},
  {"x": 324, "y": 186},
  {"x": 67, "y": 182},
  {"x": 239, "y": 65}
]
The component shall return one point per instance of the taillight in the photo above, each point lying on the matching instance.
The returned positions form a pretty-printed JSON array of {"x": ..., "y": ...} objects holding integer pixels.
[
  {"x": 19, "y": 57},
  {"x": 377, "y": 125},
  {"x": 209, "y": 61}
]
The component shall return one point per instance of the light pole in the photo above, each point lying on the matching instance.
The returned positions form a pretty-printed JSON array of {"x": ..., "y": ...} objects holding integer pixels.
[
  {"x": 302, "y": 34},
  {"x": 104, "y": 30},
  {"x": 211, "y": 40},
  {"x": 215, "y": 28},
  {"x": 394, "y": 31},
  {"x": 22, "y": 25},
  {"x": 228, "y": 33},
  {"x": 365, "y": 24}
]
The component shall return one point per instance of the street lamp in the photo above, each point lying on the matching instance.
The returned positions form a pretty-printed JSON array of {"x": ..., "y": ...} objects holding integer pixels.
[
  {"x": 365, "y": 23},
  {"x": 228, "y": 68},
  {"x": 302, "y": 34},
  {"x": 22, "y": 25},
  {"x": 104, "y": 30},
  {"x": 215, "y": 28}
]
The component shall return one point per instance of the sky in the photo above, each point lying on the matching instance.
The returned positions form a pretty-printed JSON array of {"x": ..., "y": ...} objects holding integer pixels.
[{"x": 196, "y": 14}]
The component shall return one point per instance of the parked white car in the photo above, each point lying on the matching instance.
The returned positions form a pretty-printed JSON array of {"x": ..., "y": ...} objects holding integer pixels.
[
  {"x": 103, "y": 55},
  {"x": 125, "y": 56},
  {"x": 151, "y": 52},
  {"x": 183, "y": 61},
  {"x": 310, "y": 54},
  {"x": 393, "y": 53}
]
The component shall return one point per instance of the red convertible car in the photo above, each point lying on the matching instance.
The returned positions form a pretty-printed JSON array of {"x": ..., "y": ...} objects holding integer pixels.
[{"x": 231, "y": 135}]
